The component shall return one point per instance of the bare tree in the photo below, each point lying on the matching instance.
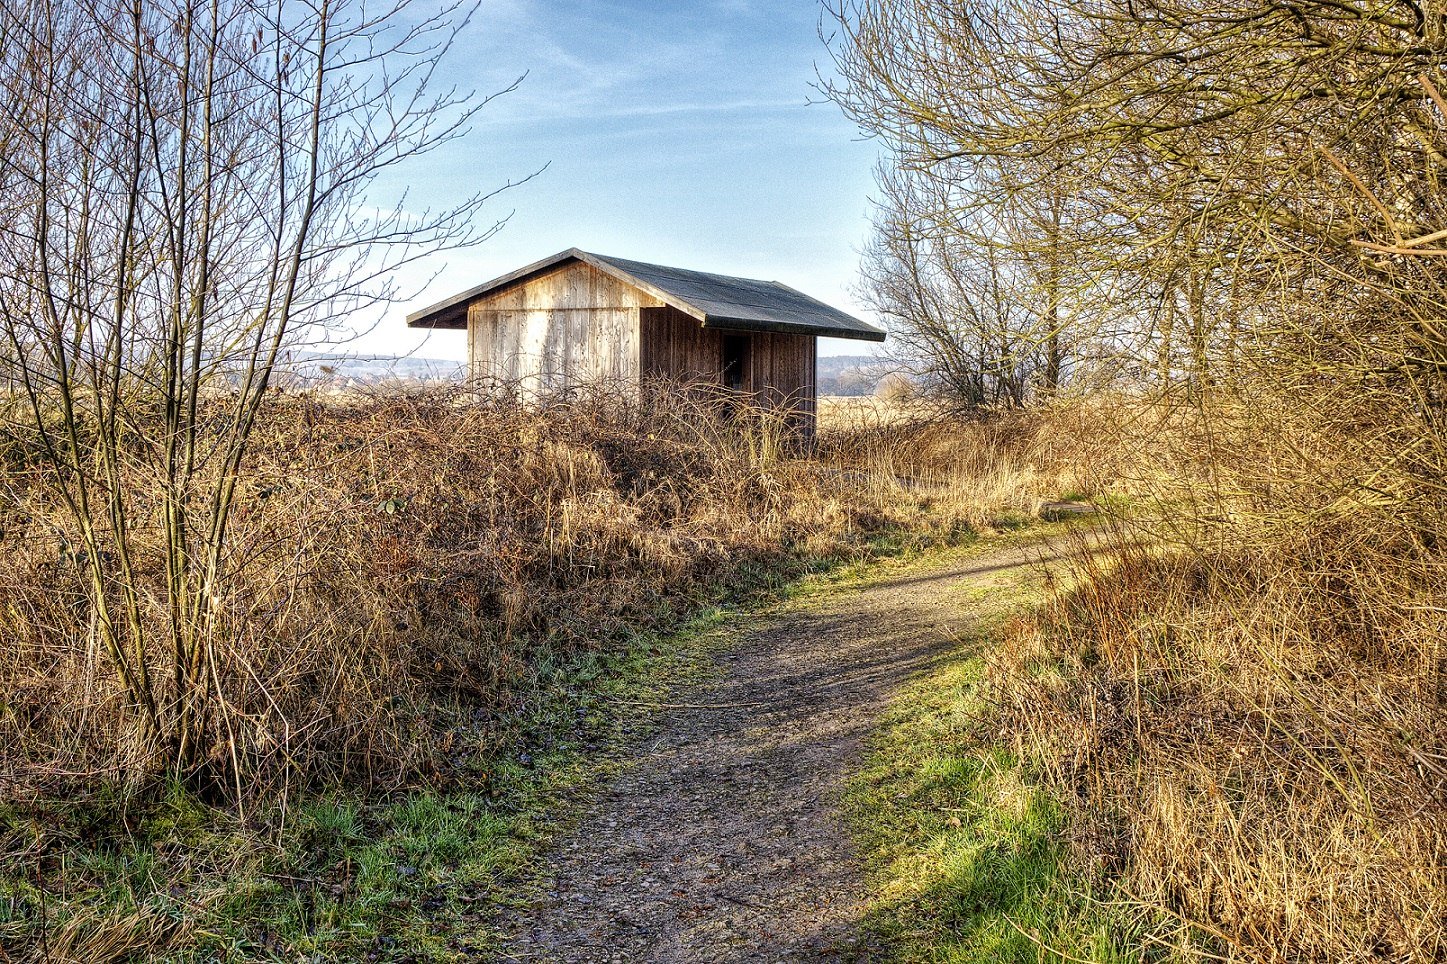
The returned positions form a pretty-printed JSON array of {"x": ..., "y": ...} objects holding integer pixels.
[
  {"x": 1183, "y": 136},
  {"x": 189, "y": 190},
  {"x": 987, "y": 299},
  {"x": 956, "y": 306}
]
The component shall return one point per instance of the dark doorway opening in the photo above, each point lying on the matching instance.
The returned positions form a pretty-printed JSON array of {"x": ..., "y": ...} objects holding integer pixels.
[{"x": 736, "y": 362}]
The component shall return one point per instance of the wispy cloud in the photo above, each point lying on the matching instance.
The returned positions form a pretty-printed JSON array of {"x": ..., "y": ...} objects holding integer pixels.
[
  {"x": 618, "y": 60},
  {"x": 707, "y": 107},
  {"x": 553, "y": 113},
  {"x": 679, "y": 133}
]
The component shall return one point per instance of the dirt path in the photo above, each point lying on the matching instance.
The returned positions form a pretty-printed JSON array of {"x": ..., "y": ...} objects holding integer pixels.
[{"x": 721, "y": 840}]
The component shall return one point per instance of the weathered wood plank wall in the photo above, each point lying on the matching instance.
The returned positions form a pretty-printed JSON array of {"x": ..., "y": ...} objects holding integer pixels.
[
  {"x": 674, "y": 346},
  {"x": 570, "y": 326},
  {"x": 783, "y": 372},
  {"x": 779, "y": 373},
  {"x": 577, "y": 325}
]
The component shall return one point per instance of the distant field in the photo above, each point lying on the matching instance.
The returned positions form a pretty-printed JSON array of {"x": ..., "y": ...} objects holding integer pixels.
[{"x": 864, "y": 411}]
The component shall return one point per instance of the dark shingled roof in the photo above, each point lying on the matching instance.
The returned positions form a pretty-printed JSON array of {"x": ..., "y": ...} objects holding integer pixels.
[{"x": 716, "y": 300}]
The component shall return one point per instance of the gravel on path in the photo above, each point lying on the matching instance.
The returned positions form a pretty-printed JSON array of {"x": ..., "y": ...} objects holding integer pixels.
[{"x": 721, "y": 839}]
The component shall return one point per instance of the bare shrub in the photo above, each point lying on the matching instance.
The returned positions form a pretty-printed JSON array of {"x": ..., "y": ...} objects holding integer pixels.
[
  {"x": 398, "y": 561},
  {"x": 896, "y": 388},
  {"x": 1244, "y": 703},
  {"x": 191, "y": 190},
  {"x": 403, "y": 564}
]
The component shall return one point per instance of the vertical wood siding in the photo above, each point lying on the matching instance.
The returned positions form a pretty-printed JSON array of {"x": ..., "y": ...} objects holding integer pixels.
[
  {"x": 576, "y": 325},
  {"x": 672, "y": 345},
  {"x": 780, "y": 370},
  {"x": 782, "y": 375},
  {"x": 570, "y": 326}
]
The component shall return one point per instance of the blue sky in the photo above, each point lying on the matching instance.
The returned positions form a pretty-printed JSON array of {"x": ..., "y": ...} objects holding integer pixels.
[{"x": 677, "y": 133}]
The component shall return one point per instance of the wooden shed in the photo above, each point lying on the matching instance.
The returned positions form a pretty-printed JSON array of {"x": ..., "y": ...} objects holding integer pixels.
[{"x": 577, "y": 318}]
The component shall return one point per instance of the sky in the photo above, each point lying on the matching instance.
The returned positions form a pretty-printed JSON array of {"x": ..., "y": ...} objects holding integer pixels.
[{"x": 688, "y": 134}]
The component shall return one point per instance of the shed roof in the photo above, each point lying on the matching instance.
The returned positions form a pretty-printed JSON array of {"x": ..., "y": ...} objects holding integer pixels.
[{"x": 716, "y": 300}]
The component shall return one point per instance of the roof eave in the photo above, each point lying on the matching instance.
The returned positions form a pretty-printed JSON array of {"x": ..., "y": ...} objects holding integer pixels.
[
  {"x": 449, "y": 310},
  {"x": 452, "y": 312},
  {"x": 431, "y": 318},
  {"x": 790, "y": 328}
]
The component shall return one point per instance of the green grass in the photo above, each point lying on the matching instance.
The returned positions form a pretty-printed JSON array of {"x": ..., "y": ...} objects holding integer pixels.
[
  {"x": 340, "y": 876},
  {"x": 967, "y": 854},
  {"x": 419, "y": 875}
]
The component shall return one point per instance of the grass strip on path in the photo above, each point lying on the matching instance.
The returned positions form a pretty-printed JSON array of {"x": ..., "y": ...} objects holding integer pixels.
[{"x": 967, "y": 851}]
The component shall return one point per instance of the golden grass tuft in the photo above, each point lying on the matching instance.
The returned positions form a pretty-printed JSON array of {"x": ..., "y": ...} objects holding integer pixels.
[
  {"x": 1243, "y": 703},
  {"x": 401, "y": 563},
  {"x": 981, "y": 468}
]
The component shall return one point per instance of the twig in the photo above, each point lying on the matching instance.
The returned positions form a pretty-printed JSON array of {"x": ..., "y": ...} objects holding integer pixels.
[
  {"x": 1404, "y": 248},
  {"x": 1364, "y": 191}
]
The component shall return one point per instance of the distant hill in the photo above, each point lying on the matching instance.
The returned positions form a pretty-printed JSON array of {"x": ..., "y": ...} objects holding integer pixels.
[
  {"x": 852, "y": 374},
  {"x": 838, "y": 374},
  {"x": 321, "y": 370}
]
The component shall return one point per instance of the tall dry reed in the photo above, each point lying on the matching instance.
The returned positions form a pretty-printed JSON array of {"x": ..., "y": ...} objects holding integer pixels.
[
  {"x": 401, "y": 564},
  {"x": 1244, "y": 701}
]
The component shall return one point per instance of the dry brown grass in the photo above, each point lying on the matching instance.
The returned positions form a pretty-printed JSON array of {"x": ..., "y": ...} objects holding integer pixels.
[
  {"x": 847, "y": 412},
  {"x": 985, "y": 468},
  {"x": 402, "y": 562},
  {"x": 1244, "y": 705}
]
